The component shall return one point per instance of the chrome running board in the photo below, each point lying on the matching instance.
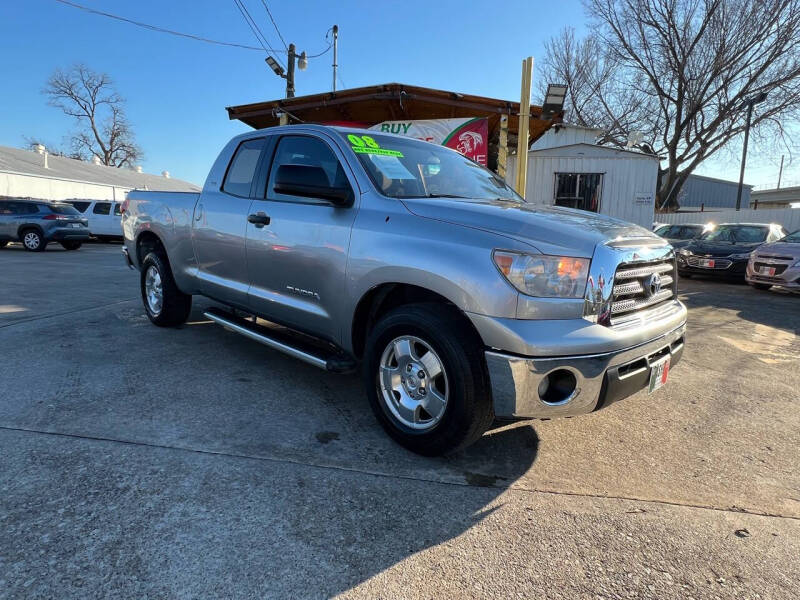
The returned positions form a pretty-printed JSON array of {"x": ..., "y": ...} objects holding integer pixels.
[{"x": 281, "y": 342}]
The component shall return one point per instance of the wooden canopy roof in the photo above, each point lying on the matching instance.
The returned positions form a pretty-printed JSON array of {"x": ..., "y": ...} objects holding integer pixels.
[{"x": 392, "y": 102}]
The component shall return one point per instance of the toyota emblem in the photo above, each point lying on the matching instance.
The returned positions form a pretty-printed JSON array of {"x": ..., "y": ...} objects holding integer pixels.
[{"x": 653, "y": 284}]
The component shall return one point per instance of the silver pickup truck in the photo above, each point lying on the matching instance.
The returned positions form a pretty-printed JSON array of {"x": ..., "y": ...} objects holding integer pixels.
[{"x": 459, "y": 302}]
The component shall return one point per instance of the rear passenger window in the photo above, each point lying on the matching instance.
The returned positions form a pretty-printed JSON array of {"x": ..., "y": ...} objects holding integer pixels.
[
  {"x": 239, "y": 178},
  {"x": 81, "y": 206},
  {"x": 102, "y": 208}
]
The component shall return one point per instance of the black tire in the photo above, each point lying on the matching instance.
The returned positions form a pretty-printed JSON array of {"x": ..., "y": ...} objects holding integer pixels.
[
  {"x": 684, "y": 275},
  {"x": 33, "y": 240},
  {"x": 468, "y": 412},
  {"x": 175, "y": 305},
  {"x": 761, "y": 286},
  {"x": 71, "y": 245}
]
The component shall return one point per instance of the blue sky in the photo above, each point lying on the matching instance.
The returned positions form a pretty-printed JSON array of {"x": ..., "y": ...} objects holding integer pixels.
[{"x": 177, "y": 89}]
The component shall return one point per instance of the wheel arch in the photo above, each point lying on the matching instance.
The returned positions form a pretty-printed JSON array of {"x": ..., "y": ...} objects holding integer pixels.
[
  {"x": 382, "y": 298},
  {"x": 147, "y": 242},
  {"x": 27, "y": 226}
]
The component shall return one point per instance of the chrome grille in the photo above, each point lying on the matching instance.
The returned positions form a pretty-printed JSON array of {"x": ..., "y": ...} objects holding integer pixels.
[{"x": 632, "y": 291}]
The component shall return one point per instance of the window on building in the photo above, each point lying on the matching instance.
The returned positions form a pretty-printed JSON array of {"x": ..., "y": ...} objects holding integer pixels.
[
  {"x": 102, "y": 208},
  {"x": 242, "y": 169},
  {"x": 579, "y": 190}
]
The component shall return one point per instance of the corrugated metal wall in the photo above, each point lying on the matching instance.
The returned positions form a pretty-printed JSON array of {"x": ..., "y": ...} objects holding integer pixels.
[
  {"x": 625, "y": 176},
  {"x": 565, "y": 136},
  {"x": 711, "y": 193},
  {"x": 788, "y": 217}
]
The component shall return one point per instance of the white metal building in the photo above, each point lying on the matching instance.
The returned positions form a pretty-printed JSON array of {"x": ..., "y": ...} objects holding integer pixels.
[
  {"x": 37, "y": 174},
  {"x": 566, "y": 168}
]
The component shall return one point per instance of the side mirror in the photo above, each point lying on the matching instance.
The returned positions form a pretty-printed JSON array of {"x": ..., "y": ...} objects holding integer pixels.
[{"x": 310, "y": 182}]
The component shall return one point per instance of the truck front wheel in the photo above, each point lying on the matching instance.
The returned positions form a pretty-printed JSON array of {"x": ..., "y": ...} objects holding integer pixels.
[
  {"x": 165, "y": 304},
  {"x": 426, "y": 379}
]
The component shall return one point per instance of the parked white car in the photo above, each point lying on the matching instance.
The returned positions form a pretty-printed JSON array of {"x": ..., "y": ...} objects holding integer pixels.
[{"x": 103, "y": 216}]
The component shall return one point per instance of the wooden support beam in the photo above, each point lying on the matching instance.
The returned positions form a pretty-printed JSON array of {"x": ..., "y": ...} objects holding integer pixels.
[
  {"x": 524, "y": 125},
  {"x": 502, "y": 147}
]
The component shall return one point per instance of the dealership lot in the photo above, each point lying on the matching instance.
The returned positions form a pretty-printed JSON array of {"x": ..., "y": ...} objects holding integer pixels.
[{"x": 137, "y": 461}]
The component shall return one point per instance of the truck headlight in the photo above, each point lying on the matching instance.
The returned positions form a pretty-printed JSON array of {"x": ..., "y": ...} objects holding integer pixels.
[
  {"x": 684, "y": 252},
  {"x": 542, "y": 275}
]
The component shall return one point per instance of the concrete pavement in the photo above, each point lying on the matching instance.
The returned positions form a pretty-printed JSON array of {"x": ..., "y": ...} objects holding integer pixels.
[{"x": 192, "y": 462}]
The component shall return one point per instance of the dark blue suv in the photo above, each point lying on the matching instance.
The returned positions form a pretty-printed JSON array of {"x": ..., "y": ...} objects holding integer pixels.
[{"x": 35, "y": 223}]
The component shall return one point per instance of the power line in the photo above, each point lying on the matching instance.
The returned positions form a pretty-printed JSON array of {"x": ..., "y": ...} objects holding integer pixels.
[
  {"x": 262, "y": 39},
  {"x": 251, "y": 24},
  {"x": 274, "y": 24},
  {"x": 157, "y": 28}
]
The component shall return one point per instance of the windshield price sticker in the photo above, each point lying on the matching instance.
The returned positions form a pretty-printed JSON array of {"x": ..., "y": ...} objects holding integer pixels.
[{"x": 366, "y": 144}]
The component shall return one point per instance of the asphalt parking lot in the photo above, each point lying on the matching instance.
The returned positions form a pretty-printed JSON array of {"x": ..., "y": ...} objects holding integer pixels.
[{"x": 145, "y": 462}]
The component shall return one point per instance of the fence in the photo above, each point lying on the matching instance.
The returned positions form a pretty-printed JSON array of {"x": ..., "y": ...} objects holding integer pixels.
[{"x": 788, "y": 217}]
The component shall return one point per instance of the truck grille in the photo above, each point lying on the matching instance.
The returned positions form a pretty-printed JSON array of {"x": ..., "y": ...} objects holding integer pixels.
[{"x": 636, "y": 290}]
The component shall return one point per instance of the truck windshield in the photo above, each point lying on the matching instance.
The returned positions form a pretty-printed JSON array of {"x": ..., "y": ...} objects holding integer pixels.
[{"x": 408, "y": 168}]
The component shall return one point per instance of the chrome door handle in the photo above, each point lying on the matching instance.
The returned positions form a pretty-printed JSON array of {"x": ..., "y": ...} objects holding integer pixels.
[{"x": 259, "y": 219}]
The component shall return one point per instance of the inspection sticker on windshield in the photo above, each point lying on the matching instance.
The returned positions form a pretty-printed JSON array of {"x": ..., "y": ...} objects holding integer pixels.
[
  {"x": 391, "y": 166},
  {"x": 365, "y": 144}
]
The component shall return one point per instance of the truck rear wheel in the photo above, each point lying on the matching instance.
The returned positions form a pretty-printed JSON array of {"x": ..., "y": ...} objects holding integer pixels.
[
  {"x": 426, "y": 379},
  {"x": 165, "y": 304}
]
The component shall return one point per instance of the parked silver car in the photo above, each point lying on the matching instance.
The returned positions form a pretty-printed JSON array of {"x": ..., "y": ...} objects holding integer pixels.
[
  {"x": 459, "y": 301},
  {"x": 777, "y": 263}
]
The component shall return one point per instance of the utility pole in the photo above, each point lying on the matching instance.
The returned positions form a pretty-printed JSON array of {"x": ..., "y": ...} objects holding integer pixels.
[
  {"x": 335, "y": 53},
  {"x": 290, "y": 73},
  {"x": 752, "y": 101},
  {"x": 302, "y": 63},
  {"x": 780, "y": 172}
]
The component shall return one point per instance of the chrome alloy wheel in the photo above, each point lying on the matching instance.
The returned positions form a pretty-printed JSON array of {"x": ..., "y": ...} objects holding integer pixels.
[
  {"x": 413, "y": 382},
  {"x": 153, "y": 290},
  {"x": 31, "y": 240}
]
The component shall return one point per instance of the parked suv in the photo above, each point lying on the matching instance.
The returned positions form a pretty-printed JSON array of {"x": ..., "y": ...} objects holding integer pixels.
[
  {"x": 103, "y": 216},
  {"x": 36, "y": 223}
]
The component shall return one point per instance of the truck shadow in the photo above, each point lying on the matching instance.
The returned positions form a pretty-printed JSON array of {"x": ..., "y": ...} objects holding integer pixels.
[{"x": 366, "y": 531}]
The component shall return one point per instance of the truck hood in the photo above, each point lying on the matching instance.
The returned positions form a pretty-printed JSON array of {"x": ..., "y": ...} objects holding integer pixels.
[{"x": 549, "y": 229}]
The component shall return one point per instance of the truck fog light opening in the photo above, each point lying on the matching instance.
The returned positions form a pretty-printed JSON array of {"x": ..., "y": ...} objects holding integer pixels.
[{"x": 557, "y": 387}]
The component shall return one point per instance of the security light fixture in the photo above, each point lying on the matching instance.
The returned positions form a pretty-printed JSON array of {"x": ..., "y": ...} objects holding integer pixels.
[
  {"x": 302, "y": 61},
  {"x": 554, "y": 100},
  {"x": 273, "y": 64}
]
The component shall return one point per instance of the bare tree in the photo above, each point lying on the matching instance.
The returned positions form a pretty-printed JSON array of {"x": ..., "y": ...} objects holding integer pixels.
[
  {"x": 681, "y": 72},
  {"x": 90, "y": 98}
]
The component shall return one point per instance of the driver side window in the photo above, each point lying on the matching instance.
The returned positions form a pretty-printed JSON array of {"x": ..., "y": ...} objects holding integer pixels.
[{"x": 308, "y": 151}]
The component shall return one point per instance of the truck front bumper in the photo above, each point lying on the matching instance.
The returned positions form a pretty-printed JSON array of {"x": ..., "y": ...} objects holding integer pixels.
[{"x": 564, "y": 386}]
